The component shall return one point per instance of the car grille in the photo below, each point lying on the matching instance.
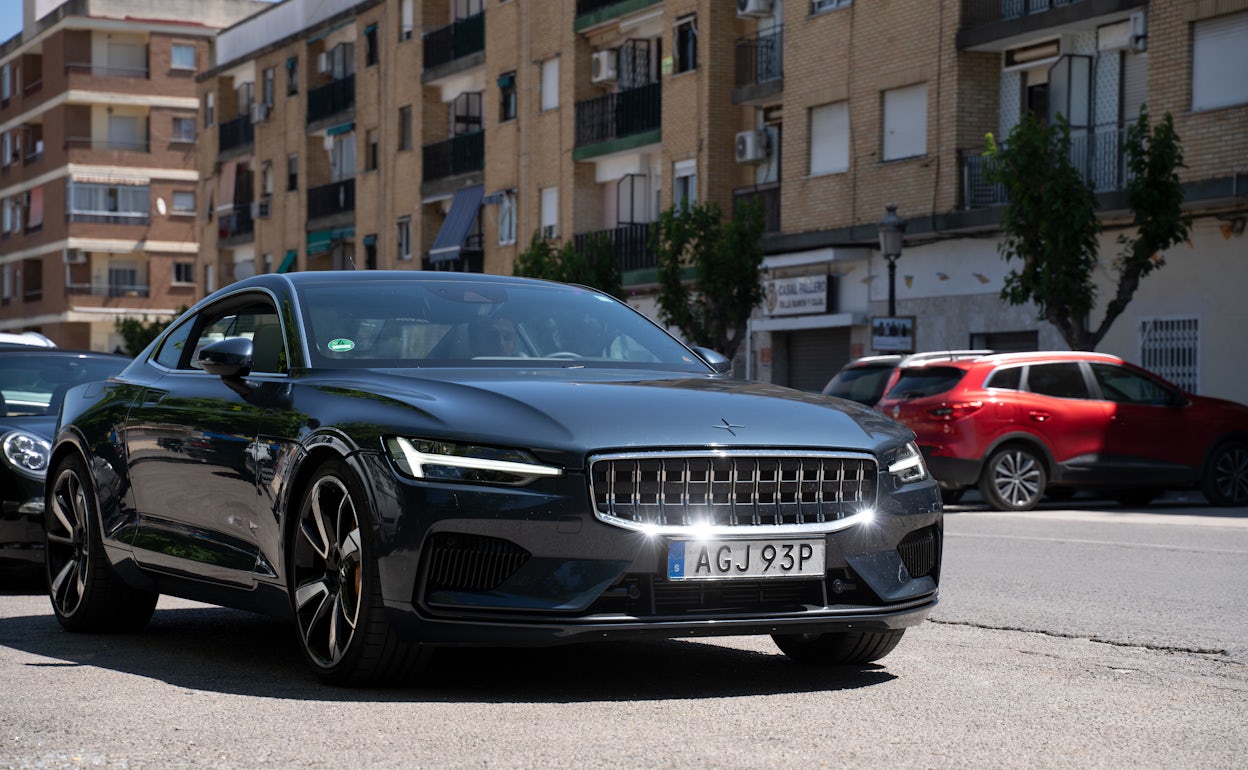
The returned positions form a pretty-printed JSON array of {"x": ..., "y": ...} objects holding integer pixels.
[
  {"x": 460, "y": 562},
  {"x": 920, "y": 552},
  {"x": 727, "y": 490}
]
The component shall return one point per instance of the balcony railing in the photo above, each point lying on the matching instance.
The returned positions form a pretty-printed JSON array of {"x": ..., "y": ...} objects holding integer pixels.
[
  {"x": 104, "y": 71},
  {"x": 236, "y": 132},
  {"x": 631, "y": 244},
  {"x": 975, "y": 12},
  {"x": 109, "y": 289},
  {"x": 769, "y": 197},
  {"x": 617, "y": 115},
  {"x": 455, "y": 41},
  {"x": 760, "y": 58},
  {"x": 1097, "y": 152},
  {"x": 88, "y": 143},
  {"x": 110, "y": 217},
  {"x": 589, "y": 6},
  {"x": 236, "y": 223},
  {"x": 333, "y": 198},
  {"x": 457, "y": 155},
  {"x": 32, "y": 87},
  {"x": 331, "y": 98}
]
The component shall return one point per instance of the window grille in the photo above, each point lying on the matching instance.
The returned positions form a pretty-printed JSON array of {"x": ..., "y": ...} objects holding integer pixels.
[{"x": 1170, "y": 347}]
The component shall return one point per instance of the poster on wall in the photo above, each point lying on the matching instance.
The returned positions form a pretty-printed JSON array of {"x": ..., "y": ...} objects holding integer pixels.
[{"x": 893, "y": 334}]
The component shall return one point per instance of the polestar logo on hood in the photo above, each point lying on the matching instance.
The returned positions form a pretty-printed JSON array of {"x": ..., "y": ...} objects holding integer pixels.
[{"x": 727, "y": 426}]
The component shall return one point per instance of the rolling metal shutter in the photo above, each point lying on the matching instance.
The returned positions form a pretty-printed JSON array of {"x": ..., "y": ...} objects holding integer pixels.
[{"x": 815, "y": 356}]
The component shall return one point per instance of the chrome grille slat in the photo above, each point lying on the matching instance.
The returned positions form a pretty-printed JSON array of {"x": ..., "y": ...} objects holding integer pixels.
[{"x": 737, "y": 491}]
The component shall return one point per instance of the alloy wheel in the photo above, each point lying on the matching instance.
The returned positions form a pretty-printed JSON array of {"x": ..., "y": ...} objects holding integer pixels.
[
  {"x": 327, "y": 576},
  {"x": 68, "y": 547},
  {"x": 1017, "y": 478},
  {"x": 1230, "y": 475}
]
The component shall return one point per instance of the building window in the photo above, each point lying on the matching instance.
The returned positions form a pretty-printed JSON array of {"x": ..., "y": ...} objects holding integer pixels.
[
  {"x": 182, "y": 56},
  {"x": 1219, "y": 61},
  {"x": 826, "y": 5},
  {"x": 466, "y": 114},
  {"x": 829, "y": 139},
  {"x": 905, "y": 122},
  {"x": 405, "y": 128},
  {"x": 686, "y": 44},
  {"x": 91, "y": 202},
  {"x": 550, "y": 84},
  {"x": 507, "y": 219},
  {"x": 370, "y": 45},
  {"x": 123, "y": 278},
  {"x": 184, "y": 273},
  {"x": 266, "y": 178},
  {"x": 292, "y": 76},
  {"x": 269, "y": 85},
  {"x": 684, "y": 184},
  {"x": 6, "y": 152},
  {"x": 1169, "y": 347},
  {"x": 405, "y": 20},
  {"x": 6, "y": 82},
  {"x": 507, "y": 96},
  {"x": 405, "y": 238},
  {"x": 550, "y": 212},
  {"x": 370, "y": 151},
  {"x": 183, "y": 129},
  {"x": 210, "y": 109},
  {"x": 292, "y": 172},
  {"x": 183, "y": 202}
]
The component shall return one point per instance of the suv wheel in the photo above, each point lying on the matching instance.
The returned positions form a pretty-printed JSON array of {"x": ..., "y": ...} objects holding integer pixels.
[
  {"x": 1013, "y": 478},
  {"x": 1225, "y": 481}
]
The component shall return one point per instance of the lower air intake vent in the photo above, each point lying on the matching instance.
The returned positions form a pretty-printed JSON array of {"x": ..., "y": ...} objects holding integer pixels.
[
  {"x": 459, "y": 562},
  {"x": 920, "y": 552}
]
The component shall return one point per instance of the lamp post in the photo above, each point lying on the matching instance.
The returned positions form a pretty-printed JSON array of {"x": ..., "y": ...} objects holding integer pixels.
[{"x": 891, "y": 228}]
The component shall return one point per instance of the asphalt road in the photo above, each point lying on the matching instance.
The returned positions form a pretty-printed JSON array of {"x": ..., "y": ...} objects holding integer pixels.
[{"x": 1065, "y": 638}]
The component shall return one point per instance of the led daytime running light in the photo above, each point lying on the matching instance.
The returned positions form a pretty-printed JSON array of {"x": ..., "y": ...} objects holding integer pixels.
[{"x": 417, "y": 459}]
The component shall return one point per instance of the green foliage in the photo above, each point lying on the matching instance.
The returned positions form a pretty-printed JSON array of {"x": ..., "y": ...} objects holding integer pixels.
[
  {"x": 724, "y": 258},
  {"x": 1050, "y": 223},
  {"x": 139, "y": 332},
  {"x": 595, "y": 266}
]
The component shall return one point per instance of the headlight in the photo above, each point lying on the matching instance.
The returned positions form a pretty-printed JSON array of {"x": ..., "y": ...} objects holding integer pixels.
[
  {"x": 28, "y": 453},
  {"x": 906, "y": 464},
  {"x": 449, "y": 461}
]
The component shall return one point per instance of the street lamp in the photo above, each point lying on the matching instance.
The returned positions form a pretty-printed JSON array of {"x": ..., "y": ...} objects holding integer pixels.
[{"x": 891, "y": 228}]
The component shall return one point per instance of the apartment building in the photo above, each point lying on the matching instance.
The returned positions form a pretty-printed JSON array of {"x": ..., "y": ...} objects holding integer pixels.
[
  {"x": 446, "y": 134},
  {"x": 98, "y": 172}
]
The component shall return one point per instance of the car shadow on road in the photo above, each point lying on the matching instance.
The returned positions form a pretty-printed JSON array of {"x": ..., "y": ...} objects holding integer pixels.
[{"x": 218, "y": 650}]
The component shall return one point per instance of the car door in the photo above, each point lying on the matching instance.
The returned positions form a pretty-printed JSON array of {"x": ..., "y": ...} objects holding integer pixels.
[
  {"x": 193, "y": 448},
  {"x": 1149, "y": 434},
  {"x": 1057, "y": 406}
]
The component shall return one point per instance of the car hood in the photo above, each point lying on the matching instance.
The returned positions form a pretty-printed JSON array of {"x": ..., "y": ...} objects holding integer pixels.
[
  {"x": 587, "y": 409},
  {"x": 41, "y": 426}
]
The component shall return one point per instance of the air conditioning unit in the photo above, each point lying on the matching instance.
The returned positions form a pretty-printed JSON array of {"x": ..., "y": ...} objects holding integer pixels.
[
  {"x": 754, "y": 8},
  {"x": 75, "y": 257},
  {"x": 259, "y": 112},
  {"x": 605, "y": 66},
  {"x": 1139, "y": 32},
  {"x": 260, "y": 208},
  {"x": 752, "y": 146}
]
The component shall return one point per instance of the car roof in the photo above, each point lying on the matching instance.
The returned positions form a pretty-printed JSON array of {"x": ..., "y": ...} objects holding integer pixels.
[
  {"x": 32, "y": 350},
  {"x": 1048, "y": 355},
  {"x": 25, "y": 339}
]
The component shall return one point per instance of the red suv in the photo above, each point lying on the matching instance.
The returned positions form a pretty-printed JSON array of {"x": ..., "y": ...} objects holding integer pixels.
[{"x": 1018, "y": 424}]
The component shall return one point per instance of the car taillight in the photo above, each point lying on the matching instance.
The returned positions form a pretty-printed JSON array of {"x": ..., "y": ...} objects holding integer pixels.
[{"x": 956, "y": 410}]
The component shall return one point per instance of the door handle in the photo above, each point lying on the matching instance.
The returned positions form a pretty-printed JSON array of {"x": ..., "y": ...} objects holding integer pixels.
[
  {"x": 1039, "y": 416},
  {"x": 152, "y": 396}
]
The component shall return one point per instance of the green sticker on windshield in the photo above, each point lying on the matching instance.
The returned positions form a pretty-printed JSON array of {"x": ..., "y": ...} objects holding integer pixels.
[{"x": 341, "y": 345}]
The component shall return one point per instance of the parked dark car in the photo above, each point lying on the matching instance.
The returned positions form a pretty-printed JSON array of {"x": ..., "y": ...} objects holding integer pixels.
[
  {"x": 1020, "y": 425},
  {"x": 406, "y": 460},
  {"x": 33, "y": 381},
  {"x": 867, "y": 379}
]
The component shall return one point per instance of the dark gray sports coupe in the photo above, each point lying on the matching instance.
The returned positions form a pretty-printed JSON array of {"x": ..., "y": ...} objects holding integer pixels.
[{"x": 399, "y": 461}]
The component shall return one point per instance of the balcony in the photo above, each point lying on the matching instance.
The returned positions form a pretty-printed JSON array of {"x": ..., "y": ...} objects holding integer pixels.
[
  {"x": 631, "y": 244},
  {"x": 759, "y": 64},
  {"x": 236, "y": 225},
  {"x": 108, "y": 289},
  {"x": 458, "y": 155},
  {"x": 769, "y": 197},
  {"x": 330, "y": 99},
  {"x": 105, "y": 71},
  {"x": 455, "y": 41},
  {"x": 616, "y": 116},
  {"x": 986, "y": 21},
  {"x": 1097, "y": 152},
  {"x": 590, "y": 13},
  {"x": 330, "y": 199},
  {"x": 235, "y": 133},
  {"x": 90, "y": 143}
]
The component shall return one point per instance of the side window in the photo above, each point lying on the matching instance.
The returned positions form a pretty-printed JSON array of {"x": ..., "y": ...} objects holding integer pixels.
[
  {"x": 257, "y": 322},
  {"x": 1124, "y": 386},
  {"x": 1057, "y": 380},
  {"x": 1006, "y": 379},
  {"x": 170, "y": 354}
]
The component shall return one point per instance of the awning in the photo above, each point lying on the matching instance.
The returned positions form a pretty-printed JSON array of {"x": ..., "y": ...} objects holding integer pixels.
[
  {"x": 321, "y": 241},
  {"x": 288, "y": 262},
  {"x": 495, "y": 198},
  {"x": 464, "y": 208},
  {"x": 110, "y": 179},
  {"x": 341, "y": 128}
]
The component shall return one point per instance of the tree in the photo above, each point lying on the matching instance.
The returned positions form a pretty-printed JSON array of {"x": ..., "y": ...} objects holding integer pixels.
[
  {"x": 724, "y": 257},
  {"x": 138, "y": 333},
  {"x": 1050, "y": 223},
  {"x": 594, "y": 266}
]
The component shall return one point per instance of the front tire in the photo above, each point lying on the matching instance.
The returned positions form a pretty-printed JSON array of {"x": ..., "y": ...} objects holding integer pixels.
[
  {"x": 335, "y": 589},
  {"x": 1013, "y": 479},
  {"x": 838, "y": 649},
  {"x": 1225, "y": 480},
  {"x": 87, "y": 596}
]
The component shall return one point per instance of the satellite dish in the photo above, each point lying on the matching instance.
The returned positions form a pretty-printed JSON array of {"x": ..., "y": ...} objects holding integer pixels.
[{"x": 160, "y": 206}]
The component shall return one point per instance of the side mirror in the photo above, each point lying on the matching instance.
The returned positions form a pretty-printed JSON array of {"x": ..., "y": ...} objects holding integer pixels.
[
  {"x": 230, "y": 357},
  {"x": 717, "y": 361}
]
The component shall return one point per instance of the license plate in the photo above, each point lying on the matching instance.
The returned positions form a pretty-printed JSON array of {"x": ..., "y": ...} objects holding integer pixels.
[{"x": 733, "y": 559}]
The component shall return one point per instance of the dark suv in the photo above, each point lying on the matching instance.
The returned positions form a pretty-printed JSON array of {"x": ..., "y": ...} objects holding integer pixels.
[
  {"x": 867, "y": 379},
  {"x": 1019, "y": 424}
]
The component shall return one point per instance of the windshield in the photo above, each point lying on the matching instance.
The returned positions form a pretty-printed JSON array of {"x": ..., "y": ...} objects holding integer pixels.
[
  {"x": 864, "y": 384},
  {"x": 456, "y": 323},
  {"x": 926, "y": 381}
]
